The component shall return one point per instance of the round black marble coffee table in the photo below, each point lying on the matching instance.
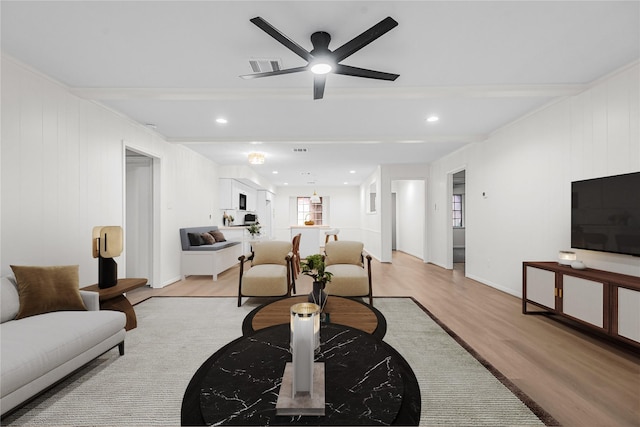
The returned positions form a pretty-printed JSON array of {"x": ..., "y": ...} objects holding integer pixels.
[{"x": 367, "y": 382}]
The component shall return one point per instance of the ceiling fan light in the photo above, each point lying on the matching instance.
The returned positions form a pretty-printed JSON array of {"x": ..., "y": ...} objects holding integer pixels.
[
  {"x": 256, "y": 158},
  {"x": 321, "y": 68}
]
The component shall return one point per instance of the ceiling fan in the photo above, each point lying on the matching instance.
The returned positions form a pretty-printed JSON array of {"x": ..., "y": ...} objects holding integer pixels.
[{"x": 321, "y": 60}]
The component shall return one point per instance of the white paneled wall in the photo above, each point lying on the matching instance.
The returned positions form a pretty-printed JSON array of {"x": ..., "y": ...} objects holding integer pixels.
[
  {"x": 525, "y": 172},
  {"x": 63, "y": 171}
]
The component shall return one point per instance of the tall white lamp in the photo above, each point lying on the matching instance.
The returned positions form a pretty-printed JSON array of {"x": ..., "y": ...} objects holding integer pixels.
[{"x": 302, "y": 390}]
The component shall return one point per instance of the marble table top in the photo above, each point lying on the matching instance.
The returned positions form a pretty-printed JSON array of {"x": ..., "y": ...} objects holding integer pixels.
[{"x": 367, "y": 382}]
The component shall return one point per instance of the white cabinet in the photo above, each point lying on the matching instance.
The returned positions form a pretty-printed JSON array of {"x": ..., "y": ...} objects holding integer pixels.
[
  {"x": 583, "y": 300},
  {"x": 225, "y": 186},
  {"x": 628, "y": 316},
  {"x": 541, "y": 286},
  {"x": 251, "y": 200},
  {"x": 229, "y": 192}
]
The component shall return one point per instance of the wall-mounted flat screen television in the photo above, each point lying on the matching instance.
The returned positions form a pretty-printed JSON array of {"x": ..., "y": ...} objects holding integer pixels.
[{"x": 605, "y": 214}]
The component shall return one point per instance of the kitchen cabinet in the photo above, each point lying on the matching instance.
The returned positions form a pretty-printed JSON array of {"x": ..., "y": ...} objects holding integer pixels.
[{"x": 229, "y": 195}]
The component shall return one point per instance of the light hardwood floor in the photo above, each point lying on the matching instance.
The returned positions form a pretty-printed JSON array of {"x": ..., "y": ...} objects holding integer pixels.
[{"x": 579, "y": 380}]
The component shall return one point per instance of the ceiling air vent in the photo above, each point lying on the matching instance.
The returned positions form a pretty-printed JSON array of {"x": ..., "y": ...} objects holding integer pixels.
[
  {"x": 265, "y": 65},
  {"x": 299, "y": 150}
]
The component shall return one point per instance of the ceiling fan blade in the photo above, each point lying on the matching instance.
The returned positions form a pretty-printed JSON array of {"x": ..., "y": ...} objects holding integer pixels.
[
  {"x": 364, "y": 39},
  {"x": 318, "y": 85},
  {"x": 363, "y": 72},
  {"x": 275, "y": 73},
  {"x": 284, "y": 40}
]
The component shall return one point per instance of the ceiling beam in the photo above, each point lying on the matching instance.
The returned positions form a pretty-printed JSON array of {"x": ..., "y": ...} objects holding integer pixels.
[{"x": 424, "y": 92}]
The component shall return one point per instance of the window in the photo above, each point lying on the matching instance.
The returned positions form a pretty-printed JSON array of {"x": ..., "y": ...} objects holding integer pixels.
[
  {"x": 457, "y": 210},
  {"x": 309, "y": 211}
]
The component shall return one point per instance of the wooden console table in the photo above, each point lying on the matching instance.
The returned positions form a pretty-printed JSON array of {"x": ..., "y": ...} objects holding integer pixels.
[
  {"x": 113, "y": 298},
  {"x": 600, "y": 301}
]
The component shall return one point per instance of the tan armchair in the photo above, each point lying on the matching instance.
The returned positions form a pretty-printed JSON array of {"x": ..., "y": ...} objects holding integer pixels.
[
  {"x": 270, "y": 274},
  {"x": 351, "y": 278}
]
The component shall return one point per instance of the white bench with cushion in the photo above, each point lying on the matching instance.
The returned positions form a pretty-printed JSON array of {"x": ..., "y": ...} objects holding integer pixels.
[{"x": 211, "y": 258}]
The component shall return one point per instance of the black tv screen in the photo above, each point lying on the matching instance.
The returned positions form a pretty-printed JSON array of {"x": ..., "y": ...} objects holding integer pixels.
[{"x": 605, "y": 214}]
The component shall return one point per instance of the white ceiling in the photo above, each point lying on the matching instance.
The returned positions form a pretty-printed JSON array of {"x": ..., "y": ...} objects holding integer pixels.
[{"x": 477, "y": 65}]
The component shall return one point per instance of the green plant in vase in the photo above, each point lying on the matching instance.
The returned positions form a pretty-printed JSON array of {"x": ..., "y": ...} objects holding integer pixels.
[
  {"x": 254, "y": 229},
  {"x": 314, "y": 267}
]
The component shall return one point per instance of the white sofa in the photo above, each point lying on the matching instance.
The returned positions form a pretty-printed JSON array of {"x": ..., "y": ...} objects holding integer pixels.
[{"x": 38, "y": 351}]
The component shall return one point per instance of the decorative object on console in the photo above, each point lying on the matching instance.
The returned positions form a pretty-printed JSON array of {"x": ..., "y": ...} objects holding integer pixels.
[
  {"x": 107, "y": 244},
  {"x": 578, "y": 265},
  {"x": 566, "y": 257},
  {"x": 302, "y": 389},
  {"x": 314, "y": 267}
]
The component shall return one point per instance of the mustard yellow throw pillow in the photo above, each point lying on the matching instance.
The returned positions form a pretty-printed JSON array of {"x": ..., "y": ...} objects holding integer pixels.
[{"x": 46, "y": 289}]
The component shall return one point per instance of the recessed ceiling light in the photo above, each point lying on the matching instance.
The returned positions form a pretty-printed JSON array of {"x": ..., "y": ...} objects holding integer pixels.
[
  {"x": 286, "y": 183},
  {"x": 433, "y": 119},
  {"x": 255, "y": 142},
  {"x": 275, "y": 172},
  {"x": 346, "y": 183},
  {"x": 352, "y": 171},
  {"x": 222, "y": 121}
]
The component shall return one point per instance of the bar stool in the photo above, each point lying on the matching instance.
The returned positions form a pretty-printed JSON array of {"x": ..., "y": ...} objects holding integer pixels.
[{"x": 331, "y": 232}]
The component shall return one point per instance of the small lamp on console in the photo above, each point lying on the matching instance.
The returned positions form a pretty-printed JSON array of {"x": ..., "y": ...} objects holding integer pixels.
[
  {"x": 566, "y": 257},
  {"x": 107, "y": 244}
]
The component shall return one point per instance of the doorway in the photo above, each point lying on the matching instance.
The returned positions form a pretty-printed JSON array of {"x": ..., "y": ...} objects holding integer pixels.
[
  {"x": 141, "y": 216},
  {"x": 408, "y": 222},
  {"x": 394, "y": 225},
  {"x": 458, "y": 215}
]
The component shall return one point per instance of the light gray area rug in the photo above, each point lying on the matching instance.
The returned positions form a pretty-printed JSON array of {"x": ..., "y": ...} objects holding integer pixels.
[{"x": 176, "y": 335}]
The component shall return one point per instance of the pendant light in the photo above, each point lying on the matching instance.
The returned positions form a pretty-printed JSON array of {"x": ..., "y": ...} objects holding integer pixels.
[{"x": 315, "y": 198}]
